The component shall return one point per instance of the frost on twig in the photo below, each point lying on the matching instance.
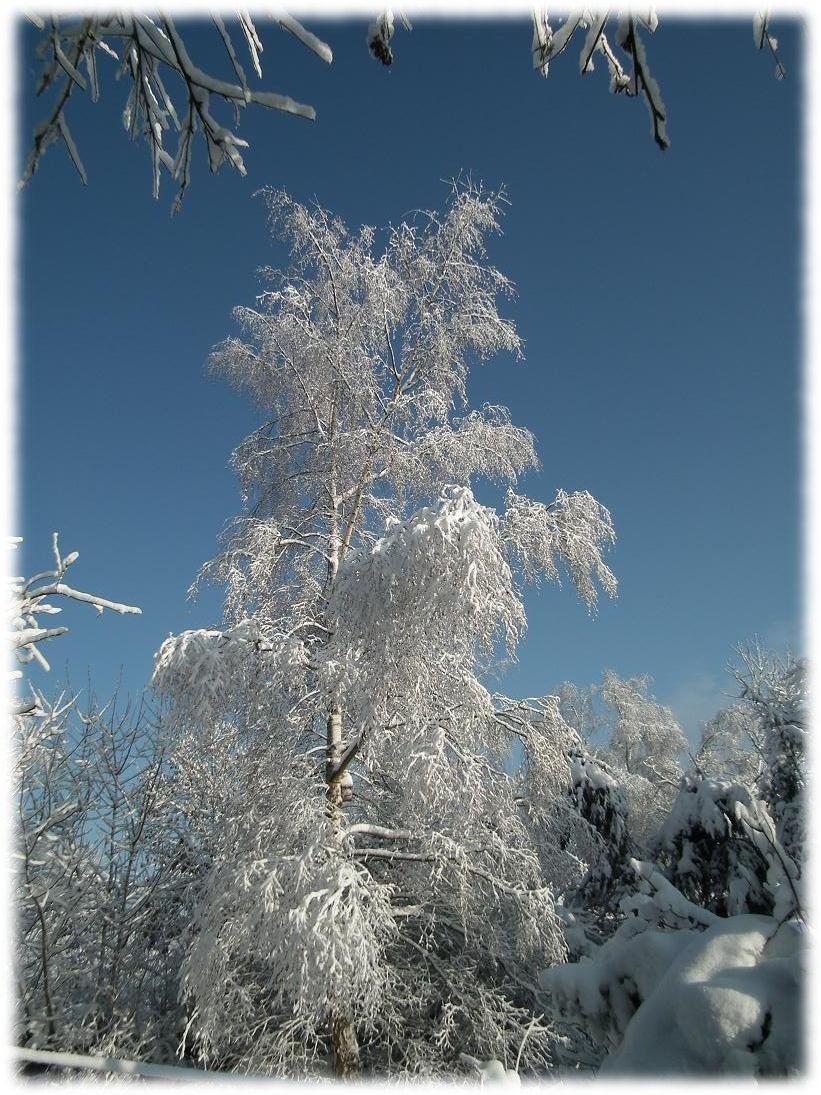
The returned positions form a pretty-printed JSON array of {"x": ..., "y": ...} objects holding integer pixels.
[
  {"x": 571, "y": 532},
  {"x": 148, "y": 50}
]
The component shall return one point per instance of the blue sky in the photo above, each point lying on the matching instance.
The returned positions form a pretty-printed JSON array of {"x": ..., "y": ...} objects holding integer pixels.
[{"x": 659, "y": 297}]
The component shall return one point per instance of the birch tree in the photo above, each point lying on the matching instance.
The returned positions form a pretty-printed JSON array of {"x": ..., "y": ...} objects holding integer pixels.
[
  {"x": 375, "y": 894},
  {"x": 730, "y": 746}
]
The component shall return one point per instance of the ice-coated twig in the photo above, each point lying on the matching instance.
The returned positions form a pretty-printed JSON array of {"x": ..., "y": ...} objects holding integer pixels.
[{"x": 643, "y": 82}]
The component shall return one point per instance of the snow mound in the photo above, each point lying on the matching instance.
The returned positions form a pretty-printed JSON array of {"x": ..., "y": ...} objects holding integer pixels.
[
  {"x": 725, "y": 1000},
  {"x": 493, "y": 1071}
]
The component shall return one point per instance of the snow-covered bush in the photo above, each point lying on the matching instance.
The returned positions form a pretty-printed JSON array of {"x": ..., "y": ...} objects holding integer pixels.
[
  {"x": 681, "y": 991},
  {"x": 705, "y": 973},
  {"x": 707, "y": 852}
]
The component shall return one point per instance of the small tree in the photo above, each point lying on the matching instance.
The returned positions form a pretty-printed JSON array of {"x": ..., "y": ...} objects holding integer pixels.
[
  {"x": 636, "y": 743},
  {"x": 85, "y": 783},
  {"x": 730, "y": 746},
  {"x": 774, "y": 690},
  {"x": 386, "y": 903}
]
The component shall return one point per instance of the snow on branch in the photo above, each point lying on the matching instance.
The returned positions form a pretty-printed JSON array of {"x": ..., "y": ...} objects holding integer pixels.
[
  {"x": 668, "y": 904},
  {"x": 148, "y": 50},
  {"x": 764, "y": 40},
  {"x": 408, "y": 583},
  {"x": 28, "y": 599},
  {"x": 629, "y": 73},
  {"x": 624, "y": 54},
  {"x": 380, "y": 32}
]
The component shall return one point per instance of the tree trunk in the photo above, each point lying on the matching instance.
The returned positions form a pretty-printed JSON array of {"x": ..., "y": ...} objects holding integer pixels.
[
  {"x": 345, "y": 1045},
  {"x": 333, "y": 754}
]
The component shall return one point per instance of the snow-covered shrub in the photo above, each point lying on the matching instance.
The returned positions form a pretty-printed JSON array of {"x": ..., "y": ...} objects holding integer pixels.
[
  {"x": 730, "y": 1003},
  {"x": 602, "y": 803},
  {"x": 707, "y": 852},
  {"x": 705, "y": 973},
  {"x": 680, "y": 991}
]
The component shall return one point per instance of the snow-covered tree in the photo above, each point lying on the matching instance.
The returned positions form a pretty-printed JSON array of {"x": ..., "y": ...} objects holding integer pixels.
[
  {"x": 602, "y": 803},
  {"x": 644, "y": 739},
  {"x": 635, "y": 743},
  {"x": 774, "y": 689},
  {"x": 706, "y": 849},
  {"x": 96, "y": 937},
  {"x": 375, "y": 890},
  {"x": 87, "y": 845},
  {"x": 546, "y": 787},
  {"x": 730, "y": 747}
]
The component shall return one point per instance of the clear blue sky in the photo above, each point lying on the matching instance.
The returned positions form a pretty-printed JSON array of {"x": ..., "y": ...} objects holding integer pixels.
[{"x": 659, "y": 299}]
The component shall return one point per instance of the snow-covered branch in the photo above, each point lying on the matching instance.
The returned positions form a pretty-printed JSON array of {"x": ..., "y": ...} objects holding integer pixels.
[
  {"x": 148, "y": 51},
  {"x": 28, "y": 599},
  {"x": 624, "y": 53}
]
